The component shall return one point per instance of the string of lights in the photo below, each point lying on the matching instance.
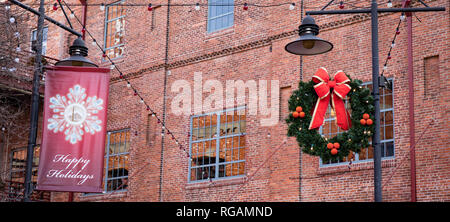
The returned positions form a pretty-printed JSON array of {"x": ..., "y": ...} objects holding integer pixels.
[
  {"x": 130, "y": 86},
  {"x": 195, "y": 5},
  {"x": 13, "y": 25},
  {"x": 198, "y": 5},
  {"x": 134, "y": 89},
  {"x": 397, "y": 32}
]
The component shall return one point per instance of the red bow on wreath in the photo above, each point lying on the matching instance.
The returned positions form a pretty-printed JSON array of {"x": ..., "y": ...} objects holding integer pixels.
[{"x": 339, "y": 90}]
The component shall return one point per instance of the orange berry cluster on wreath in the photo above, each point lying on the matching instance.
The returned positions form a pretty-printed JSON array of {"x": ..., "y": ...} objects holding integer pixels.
[
  {"x": 333, "y": 147},
  {"x": 298, "y": 112},
  {"x": 365, "y": 120}
]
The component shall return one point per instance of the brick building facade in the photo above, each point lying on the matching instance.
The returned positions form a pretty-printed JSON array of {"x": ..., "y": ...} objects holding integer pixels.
[{"x": 242, "y": 164}]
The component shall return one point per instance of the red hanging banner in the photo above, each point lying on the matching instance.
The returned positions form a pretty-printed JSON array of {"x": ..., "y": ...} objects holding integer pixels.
[{"x": 74, "y": 129}]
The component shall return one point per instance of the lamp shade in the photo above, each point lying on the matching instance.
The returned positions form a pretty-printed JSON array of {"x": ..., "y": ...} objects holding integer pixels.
[
  {"x": 78, "y": 52},
  {"x": 308, "y": 43}
]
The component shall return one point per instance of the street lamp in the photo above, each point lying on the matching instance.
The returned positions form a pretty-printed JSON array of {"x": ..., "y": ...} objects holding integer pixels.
[
  {"x": 308, "y": 43},
  {"x": 78, "y": 52}
]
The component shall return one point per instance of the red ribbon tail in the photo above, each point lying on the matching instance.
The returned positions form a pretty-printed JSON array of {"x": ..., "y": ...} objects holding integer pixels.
[
  {"x": 318, "y": 115},
  {"x": 342, "y": 115}
]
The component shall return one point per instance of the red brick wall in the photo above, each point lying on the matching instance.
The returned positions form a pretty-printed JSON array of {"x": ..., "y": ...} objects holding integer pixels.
[{"x": 253, "y": 49}]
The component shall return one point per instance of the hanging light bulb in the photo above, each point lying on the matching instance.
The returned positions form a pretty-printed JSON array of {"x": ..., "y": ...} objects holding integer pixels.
[
  {"x": 12, "y": 20},
  {"x": 197, "y": 6},
  {"x": 94, "y": 43},
  {"x": 393, "y": 44},
  {"x": 55, "y": 7},
  {"x": 72, "y": 15},
  {"x": 17, "y": 34},
  {"x": 402, "y": 17},
  {"x": 16, "y": 60},
  {"x": 341, "y": 5},
  {"x": 18, "y": 49},
  {"x": 7, "y": 7},
  {"x": 292, "y": 6},
  {"x": 245, "y": 6},
  {"x": 102, "y": 6},
  {"x": 150, "y": 7},
  {"x": 128, "y": 84},
  {"x": 389, "y": 4}
]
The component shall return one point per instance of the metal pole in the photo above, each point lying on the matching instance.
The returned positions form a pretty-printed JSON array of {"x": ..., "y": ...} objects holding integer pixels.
[
  {"x": 412, "y": 127},
  {"x": 375, "y": 78},
  {"x": 34, "y": 105},
  {"x": 381, "y": 10},
  {"x": 376, "y": 93}
]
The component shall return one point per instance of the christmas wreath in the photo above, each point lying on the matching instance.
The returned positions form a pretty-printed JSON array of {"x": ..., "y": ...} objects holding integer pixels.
[{"x": 309, "y": 103}]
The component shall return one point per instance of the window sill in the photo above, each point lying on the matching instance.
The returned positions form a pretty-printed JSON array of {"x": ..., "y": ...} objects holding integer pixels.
[
  {"x": 103, "y": 196},
  {"x": 116, "y": 60},
  {"x": 218, "y": 33},
  {"x": 216, "y": 183},
  {"x": 386, "y": 163}
]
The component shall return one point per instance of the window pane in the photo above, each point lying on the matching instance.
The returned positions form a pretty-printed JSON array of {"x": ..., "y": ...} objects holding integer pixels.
[
  {"x": 220, "y": 14},
  {"x": 114, "y": 30},
  {"x": 389, "y": 146},
  {"x": 388, "y": 118},
  {"x": 230, "y": 142},
  {"x": 388, "y": 101},
  {"x": 116, "y": 157},
  {"x": 389, "y": 132}
]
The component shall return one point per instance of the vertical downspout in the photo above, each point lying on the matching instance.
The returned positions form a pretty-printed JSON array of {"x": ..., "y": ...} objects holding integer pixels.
[
  {"x": 166, "y": 62},
  {"x": 300, "y": 150},
  {"x": 412, "y": 136}
]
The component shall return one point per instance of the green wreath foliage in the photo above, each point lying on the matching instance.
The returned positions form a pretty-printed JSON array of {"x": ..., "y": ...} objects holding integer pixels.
[{"x": 311, "y": 141}]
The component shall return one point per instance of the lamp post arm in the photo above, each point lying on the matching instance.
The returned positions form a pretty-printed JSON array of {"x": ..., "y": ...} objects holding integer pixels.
[
  {"x": 28, "y": 8},
  {"x": 380, "y": 10}
]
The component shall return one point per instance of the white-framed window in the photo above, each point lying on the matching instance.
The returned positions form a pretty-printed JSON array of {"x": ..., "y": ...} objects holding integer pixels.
[
  {"x": 330, "y": 129},
  {"x": 114, "y": 29},
  {"x": 220, "y": 14},
  {"x": 44, "y": 37},
  {"x": 217, "y": 145},
  {"x": 116, "y": 160}
]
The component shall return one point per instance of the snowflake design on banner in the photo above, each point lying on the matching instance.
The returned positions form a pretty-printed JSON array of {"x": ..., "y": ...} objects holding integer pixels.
[{"x": 75, "y": 115}]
